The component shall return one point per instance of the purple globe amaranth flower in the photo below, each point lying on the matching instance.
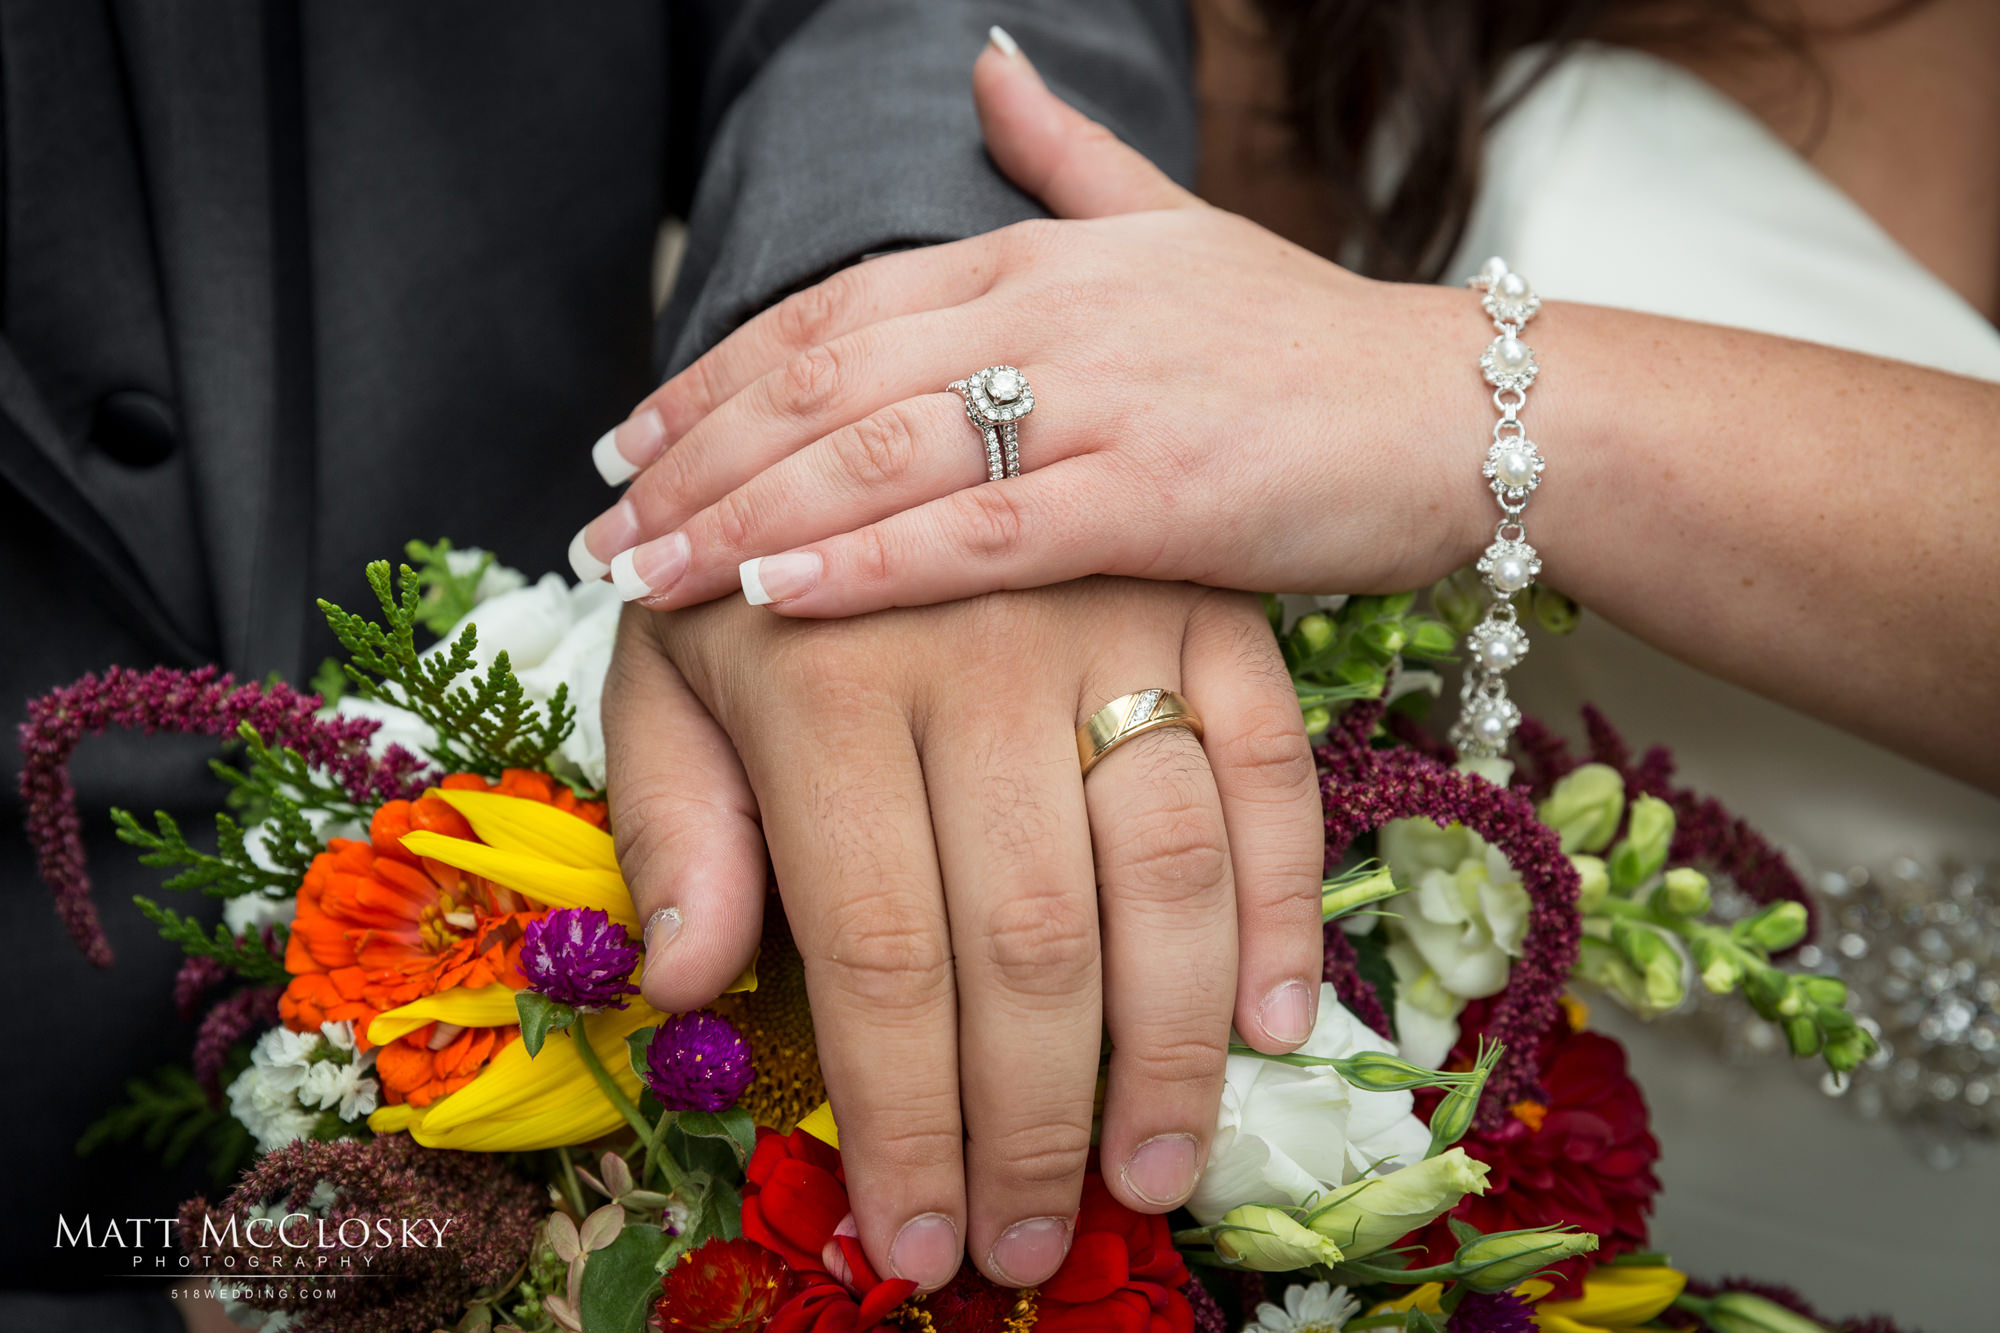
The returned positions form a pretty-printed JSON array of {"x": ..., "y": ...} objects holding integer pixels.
[
  {"x": 698, "y": 1062},
  {"x": 1491, "y": 1312},
  {"x": 580, "y": 957}
]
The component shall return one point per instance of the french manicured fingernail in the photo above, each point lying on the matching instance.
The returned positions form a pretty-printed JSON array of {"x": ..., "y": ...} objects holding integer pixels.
[
  {"x": 589, "y": 569},
  {"x": 1287, "y": 1013},
  {"x": 925, "y": 1251},
  {"x": 614, "y": 530},
  {"x": 622, "y": 452},
  {"x": 779, "y": 578},
  {"x": 654, "y": 567},
  {"x": 1003, "y": 42},
  {"x": 1162, "y": 1170},
  {"x": 1030, "y": 1252},
  {"x": 834, "y": 1257},
  {"x": 661, "y": 927}
]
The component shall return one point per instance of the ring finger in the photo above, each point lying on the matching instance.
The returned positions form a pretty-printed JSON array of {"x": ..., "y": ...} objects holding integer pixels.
[{"x": 1167, "y": 903}]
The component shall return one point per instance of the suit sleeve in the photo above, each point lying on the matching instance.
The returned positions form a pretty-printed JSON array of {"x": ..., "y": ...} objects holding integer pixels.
[{"x": 831, "y": 131}]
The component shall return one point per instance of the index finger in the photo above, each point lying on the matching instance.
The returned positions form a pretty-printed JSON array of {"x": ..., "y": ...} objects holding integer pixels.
[{"x": 927, "y": 278}]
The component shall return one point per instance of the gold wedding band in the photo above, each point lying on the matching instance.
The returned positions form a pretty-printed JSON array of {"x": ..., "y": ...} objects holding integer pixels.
[{"x": 1128, "y": 716}]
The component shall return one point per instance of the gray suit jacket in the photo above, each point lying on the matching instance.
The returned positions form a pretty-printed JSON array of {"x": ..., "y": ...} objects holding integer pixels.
[{"x": 285, "y": 284}]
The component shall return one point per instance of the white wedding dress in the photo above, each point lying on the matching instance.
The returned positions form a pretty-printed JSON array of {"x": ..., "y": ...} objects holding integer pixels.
[{"x": 1625, "y": 181}]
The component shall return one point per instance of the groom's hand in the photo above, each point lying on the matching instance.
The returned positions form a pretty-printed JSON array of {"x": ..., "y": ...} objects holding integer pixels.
[{"x": 917, "y": 782}]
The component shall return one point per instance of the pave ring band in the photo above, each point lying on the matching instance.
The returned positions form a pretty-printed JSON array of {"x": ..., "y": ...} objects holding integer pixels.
[
  {"x": 996, "y": 399},
  {"x": 1128, "y": 716}
]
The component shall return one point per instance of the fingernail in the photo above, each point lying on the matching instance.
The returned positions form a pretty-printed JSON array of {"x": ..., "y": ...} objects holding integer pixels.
[
  {"x": 614, "y": 530},
  {"x": 834, "y": 1257},
  {"x": 1003, "y": 42},
  {"x": 779, "y": 578},
  {"x": 652, "y": 568},
  {"x": 661, "y": 927},
  {"x": 1030, "y": 1252},
  {"x": 925, "y": 1251},
  {"x": 1162, "y": 1170},
  {"x": 622, "y": 452},
  {"x": 1287, "y": 1013},
  {"x": 589, "y": 569}
]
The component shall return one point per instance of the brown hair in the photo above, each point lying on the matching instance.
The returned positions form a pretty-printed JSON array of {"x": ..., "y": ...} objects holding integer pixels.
[{"x": 1420, "y": 74}]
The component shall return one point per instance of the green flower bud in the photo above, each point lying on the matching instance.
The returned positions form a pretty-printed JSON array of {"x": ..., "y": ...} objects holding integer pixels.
[
  {"x": 1318, "y": 720},
  {"x": 1596, "y": 882},
  {"x": 1376, "y": 1071},
  {"x": 1825, "y": 992},
  {"x": 1347, "y": 892},
  {"x": 1803, "y": 1035},
  {"x": 1453, "y": 1116},
  {"x": 1376, "y": 1213},
  {"x": 1777, "y": 927},
  {"x": 1720, "y": 963},
  {"x": 1396, "y": 604},
  {"x": 1657, "y": 961},
  {"x": 1499, "y": 1261},
  {"x": 1271, "y": 1240},
  {"x": 1766, "y": 987},
  {"x": 1684, "y": 892},
  {"x": 1314, "y": 633},
  {"x": 1847, "y": 1051},
  {"x": 1431, "y": 638},
  {"x": 1601, "y": 965},
  {"x": 1360, "y": 671},
  {"x": 1384, "y": 639},
  {"x": 1556, "y": 613},
  {"x": 1585, "y": 807},
  {"x": 1643, "y": 850},
  {"x": 1740, "y": 1312}
]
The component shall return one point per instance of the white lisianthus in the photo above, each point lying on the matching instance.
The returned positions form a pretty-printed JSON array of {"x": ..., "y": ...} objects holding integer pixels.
[
  {"x": 1426, "y": 1013},
  {"x": 1286, "y": 1134},
  {"x": 1467, "y": 911},
  {"x": 1318, "y": 1308},
  {"x": 553, "y": 635}
]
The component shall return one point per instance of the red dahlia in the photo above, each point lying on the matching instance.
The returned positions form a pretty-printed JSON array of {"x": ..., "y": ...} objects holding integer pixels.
[
  {"x": 1582, "y": 1154},
  {"x": 723, "y": 1286},
  {"x": 794, "y": 1200}
]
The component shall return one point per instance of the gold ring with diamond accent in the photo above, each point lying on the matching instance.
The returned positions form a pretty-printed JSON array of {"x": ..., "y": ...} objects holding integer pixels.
[{"x": 1131, "y": 715}]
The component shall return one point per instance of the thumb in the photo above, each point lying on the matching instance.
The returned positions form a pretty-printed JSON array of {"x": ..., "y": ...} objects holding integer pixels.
[
  {"x": 1076, "y": 167},
  {"x": 686, "y": 825}
]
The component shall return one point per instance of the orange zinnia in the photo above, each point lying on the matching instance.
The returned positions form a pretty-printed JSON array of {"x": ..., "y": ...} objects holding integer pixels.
[{"x": 378, "y": 927}]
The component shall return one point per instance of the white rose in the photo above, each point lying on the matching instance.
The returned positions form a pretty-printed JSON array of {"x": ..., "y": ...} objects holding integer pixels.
[
  {"x": 525, "y": 623},
  {"x": 1285, "y": 1133},
  {"x": 1466, "y": 913}
]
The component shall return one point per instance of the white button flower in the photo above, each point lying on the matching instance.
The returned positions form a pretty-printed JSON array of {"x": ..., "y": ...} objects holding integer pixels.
[
  {"x": 1286, "y": 1134},
  {"x": 1318, "y": 1308}
]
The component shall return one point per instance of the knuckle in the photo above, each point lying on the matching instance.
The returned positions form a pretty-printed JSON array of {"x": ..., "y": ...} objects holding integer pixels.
[
  {"x": 734, "y": 519},
  {"x": 1042, "y": 943},
  {"x": 884, "y": 954},
  {"x": 1186, "y": 1053},
  {"x": 869, "y": 560},
  {"x": 990, "y": 522},
  {"x": 1172, "y": 850},
  {"x": 921, "y": 1135},
  {"x": 1033, "y": 237},
  {"x": 1044, "y": 1152},
  {"x": 808, "y": 316},
  {"x": 878, "y": 449},
  {"x": 1269, "y": 749},
  {"x": 812, "y": 380},
  {"x": 690, "y": 395}
]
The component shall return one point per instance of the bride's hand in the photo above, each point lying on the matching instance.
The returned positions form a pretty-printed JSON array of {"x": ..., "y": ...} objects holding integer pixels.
[
  {"x": 951, "y": 880},
  {"x": 1213, "y": 404}
]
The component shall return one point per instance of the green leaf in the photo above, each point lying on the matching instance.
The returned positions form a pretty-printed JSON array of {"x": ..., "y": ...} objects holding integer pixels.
[
  {"x": 734, "y": 1125},
  {"x": 484, "y": 722},
  {"x": 245, "y": 954},
  {"x": 619, "y": 1284},
  {"x": 1463, "y": 1231},
  {"x": 539, "y": 1017},
  {"x": 635, "y": 1047}
]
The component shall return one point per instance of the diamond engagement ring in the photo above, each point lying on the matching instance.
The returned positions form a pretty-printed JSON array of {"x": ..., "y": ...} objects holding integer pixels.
[
  {"x": 996, "y": 399},
  {"x": 1132, "y": 715}
]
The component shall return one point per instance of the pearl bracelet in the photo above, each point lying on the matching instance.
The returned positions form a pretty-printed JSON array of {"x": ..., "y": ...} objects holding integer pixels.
[{"x": 1513, "y": 468}]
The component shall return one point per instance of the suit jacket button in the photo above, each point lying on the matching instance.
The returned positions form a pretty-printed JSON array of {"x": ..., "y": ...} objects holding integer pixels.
[{"x": 135, "y": 428}]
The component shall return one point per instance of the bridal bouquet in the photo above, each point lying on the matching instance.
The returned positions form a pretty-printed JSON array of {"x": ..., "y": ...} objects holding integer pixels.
[{"x": 424, "y": 1063}]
